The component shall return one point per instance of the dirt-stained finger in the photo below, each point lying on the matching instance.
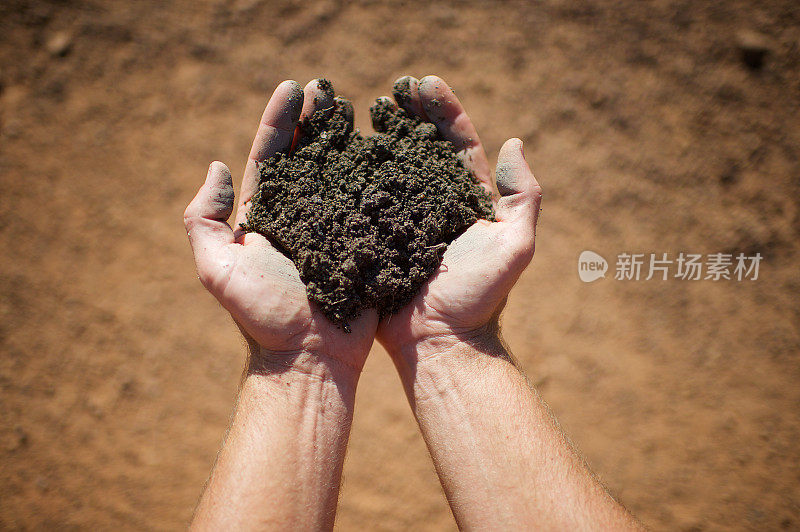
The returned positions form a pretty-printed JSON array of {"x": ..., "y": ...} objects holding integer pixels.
[
  {"x": 406, "y": 94},
  {"x": 275, "y": 132},
  {"x": 318, "y": 96},
  {"x": 206, "y": 223},
  {"x": 521, "y": 194},
  {"x": 347, "y": 109},
  {"x": 444, "y": 109},
  {"x": 278, "y": 121}
]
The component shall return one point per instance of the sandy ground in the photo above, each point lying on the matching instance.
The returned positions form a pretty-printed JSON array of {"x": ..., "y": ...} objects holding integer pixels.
[{"x": 646, "y": 129}]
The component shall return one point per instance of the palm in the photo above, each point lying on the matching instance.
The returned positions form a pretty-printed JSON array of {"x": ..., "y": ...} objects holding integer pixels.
[
  {"x": 263, "y": 292},
  {"x": 477, "y": 271}
]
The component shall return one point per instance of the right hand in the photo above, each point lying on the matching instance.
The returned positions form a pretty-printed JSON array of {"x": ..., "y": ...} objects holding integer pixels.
[{"x": 463, "y": 299}]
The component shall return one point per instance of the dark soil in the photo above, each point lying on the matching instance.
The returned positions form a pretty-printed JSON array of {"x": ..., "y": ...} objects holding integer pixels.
[{"x": 366, "y": 220}]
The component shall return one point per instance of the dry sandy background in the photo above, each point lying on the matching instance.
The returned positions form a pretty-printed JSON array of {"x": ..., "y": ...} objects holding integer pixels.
[{"x": 646, "y": 129}]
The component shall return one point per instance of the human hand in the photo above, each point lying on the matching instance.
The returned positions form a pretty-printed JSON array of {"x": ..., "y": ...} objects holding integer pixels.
[
  {"x": 255, "y": 282},
  {"x": 463, "y": 299}
]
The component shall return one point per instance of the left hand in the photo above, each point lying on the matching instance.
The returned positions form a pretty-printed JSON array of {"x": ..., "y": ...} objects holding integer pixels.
[{"x": 255, "y": 282}]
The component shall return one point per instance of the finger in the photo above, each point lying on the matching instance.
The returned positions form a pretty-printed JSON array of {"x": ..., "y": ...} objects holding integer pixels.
[
  {"x": 520, "y": 193},
  {"x": 388, "y": 101},
  {"x": 347, "y": 109},
  {"x": 274, "y": 134},
  {"x": 382, "y": 113},
  {"x": 318, "y": 96},
  {"x": 445, "y": 110},
  {"x": 406, "y": 94},
  {"x": 278, "y": 121},
  {"x": 206, "y": 221}
]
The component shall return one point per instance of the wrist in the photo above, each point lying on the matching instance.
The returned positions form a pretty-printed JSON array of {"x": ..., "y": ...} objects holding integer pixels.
[
  {"x": 437, "y": 352},
  {"x": 445, "y": 371},
  {"x": 443, "y": 338},
  {"x": 301, "y": 365}
]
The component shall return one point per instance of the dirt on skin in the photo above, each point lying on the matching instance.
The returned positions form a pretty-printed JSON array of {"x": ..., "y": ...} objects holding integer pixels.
[{"x": 366, "y": 220}]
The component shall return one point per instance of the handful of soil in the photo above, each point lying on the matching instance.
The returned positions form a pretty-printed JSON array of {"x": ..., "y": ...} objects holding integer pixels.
[{"x": 366, "y": 220}]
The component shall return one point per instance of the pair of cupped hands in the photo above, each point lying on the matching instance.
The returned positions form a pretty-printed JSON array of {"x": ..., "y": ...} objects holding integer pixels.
[{"x": 262, "y": 290}]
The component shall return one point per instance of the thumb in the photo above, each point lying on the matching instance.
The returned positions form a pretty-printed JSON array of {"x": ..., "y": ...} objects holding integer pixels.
[
  {"x": 520, "y": 193},
  {"x": 205, "y": 220}
]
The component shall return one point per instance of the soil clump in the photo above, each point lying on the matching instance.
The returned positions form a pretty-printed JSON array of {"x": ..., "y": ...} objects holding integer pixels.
[{"x": 366, "y": 220}]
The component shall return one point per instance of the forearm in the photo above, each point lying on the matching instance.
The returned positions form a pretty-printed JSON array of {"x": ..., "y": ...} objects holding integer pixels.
[
  {"x": 281, "y": 464},
  {"x": 500, "y": 455}
]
